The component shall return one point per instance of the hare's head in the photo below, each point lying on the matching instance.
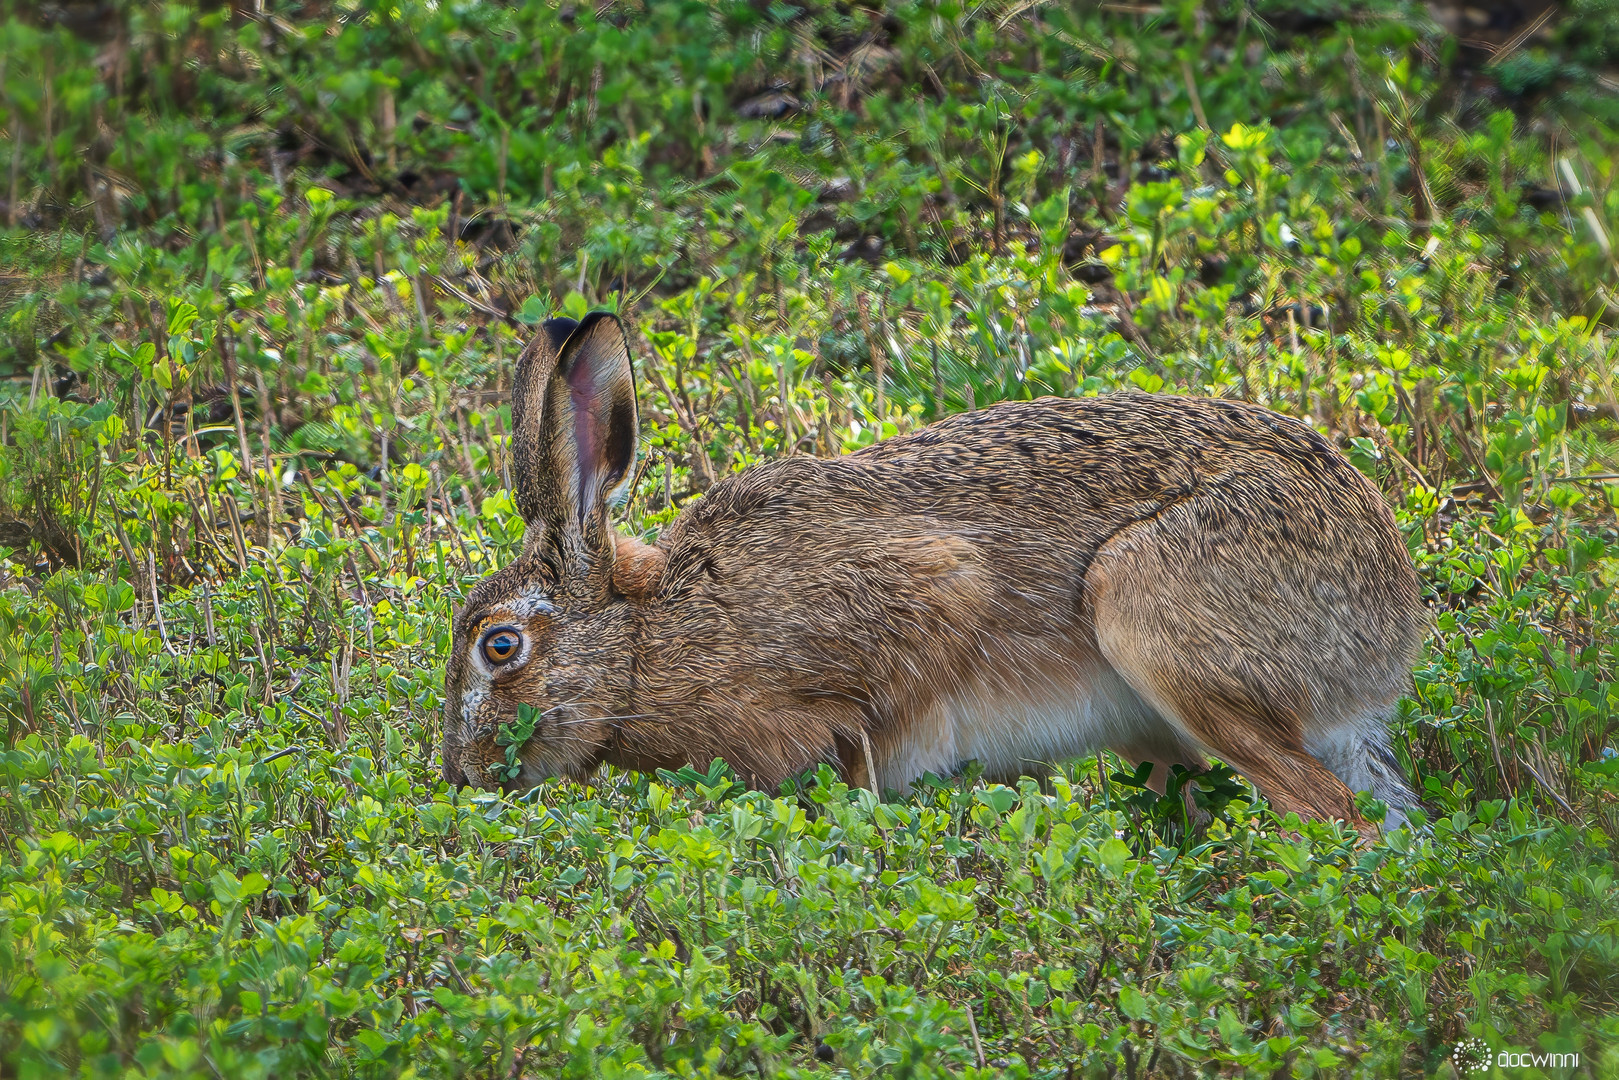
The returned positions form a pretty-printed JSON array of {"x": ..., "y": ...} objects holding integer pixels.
[{"x": 539, "y": 666}]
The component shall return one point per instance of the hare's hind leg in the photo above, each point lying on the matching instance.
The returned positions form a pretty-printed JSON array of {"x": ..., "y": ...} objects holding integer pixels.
[
  {"x": 1249, "y": 734},
  {"x": 1197, "y": 646}
]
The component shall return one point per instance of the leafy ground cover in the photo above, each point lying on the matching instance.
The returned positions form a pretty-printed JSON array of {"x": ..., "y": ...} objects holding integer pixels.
[{"x": 263, "y": 273}]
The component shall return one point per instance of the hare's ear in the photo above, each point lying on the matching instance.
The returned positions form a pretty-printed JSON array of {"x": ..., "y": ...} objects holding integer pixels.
[
  {"x": 573, "y": 426},
  {"x": 596, "y": 384},
  {"x": 532, "y": 469}
]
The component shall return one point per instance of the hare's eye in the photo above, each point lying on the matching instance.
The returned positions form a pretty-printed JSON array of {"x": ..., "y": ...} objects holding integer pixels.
[{"x": 501, "y": 645}]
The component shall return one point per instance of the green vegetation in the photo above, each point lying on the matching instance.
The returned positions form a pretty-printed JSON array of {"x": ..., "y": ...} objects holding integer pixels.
[{"x": 263, "y": 274}]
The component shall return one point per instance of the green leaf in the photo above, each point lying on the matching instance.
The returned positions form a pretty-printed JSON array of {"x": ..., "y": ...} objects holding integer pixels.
[
  {"x": 1112, "y": 855},
  {"x": 532, "y": 313},
  {"x": 1133, "y": 1003},
  {"x": 997, "y": 798}
]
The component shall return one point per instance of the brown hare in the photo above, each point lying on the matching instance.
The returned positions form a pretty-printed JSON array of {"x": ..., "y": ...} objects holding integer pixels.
[{"x": 1170, "y": 577}]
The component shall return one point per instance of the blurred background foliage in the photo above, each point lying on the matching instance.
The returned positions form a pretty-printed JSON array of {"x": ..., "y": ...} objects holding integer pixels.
[{"x": 264, "y": 269}]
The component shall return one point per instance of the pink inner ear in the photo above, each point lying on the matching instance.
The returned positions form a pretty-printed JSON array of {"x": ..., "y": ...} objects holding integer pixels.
[{"x": 583, "y": 395}]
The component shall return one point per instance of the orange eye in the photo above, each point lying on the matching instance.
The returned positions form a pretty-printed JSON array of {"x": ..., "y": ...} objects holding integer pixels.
[{"x": 501, "y": 645}]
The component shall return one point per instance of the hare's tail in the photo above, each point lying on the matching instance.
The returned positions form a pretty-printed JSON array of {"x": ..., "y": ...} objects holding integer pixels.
[{"x": 1358, "y": 753}]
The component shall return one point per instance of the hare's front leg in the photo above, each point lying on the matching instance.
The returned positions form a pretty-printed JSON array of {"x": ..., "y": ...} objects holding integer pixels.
[{"x": 1163, "y": 751}]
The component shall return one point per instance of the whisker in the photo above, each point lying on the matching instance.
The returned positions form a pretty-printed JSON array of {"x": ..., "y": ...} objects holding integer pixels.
[{"x": 599, "y": 719}]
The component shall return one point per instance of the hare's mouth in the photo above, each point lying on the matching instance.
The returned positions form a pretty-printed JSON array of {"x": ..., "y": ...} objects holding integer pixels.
[
  {"x": 532, "y": 776},
  {"x": 498, "y": 776},
  {"x": 533, "y": 764},
  {"x": 526, "y": 781},
  {"x": 513, "y": 769},
  {"x": 569, "y": 740}
]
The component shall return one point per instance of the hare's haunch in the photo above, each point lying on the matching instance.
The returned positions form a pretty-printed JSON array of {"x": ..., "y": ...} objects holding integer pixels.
[{"x": 1170, "y": 577}]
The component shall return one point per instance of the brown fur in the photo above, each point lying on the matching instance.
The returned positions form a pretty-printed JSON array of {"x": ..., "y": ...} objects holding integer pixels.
[{"x": 1216, "y": 561}]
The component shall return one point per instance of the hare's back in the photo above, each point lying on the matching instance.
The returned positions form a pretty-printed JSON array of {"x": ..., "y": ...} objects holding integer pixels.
[
  {"x": 1120, "y": 442},
  {"x": 1084, "y": 467},
  {"x": 1042, "y": 485}
]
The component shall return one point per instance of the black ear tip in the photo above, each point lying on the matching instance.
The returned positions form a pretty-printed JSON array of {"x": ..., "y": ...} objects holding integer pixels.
[
  {"x": 558, "y": 329},
  {"x": 601, "y": 316}
]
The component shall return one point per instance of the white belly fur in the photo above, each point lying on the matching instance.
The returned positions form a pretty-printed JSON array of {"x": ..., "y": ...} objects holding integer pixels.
[{"x": 1023, "y": 729}]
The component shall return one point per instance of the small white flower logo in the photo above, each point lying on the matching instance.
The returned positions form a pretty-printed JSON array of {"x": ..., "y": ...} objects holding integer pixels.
[{"x": 1471, "y": 1056}]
